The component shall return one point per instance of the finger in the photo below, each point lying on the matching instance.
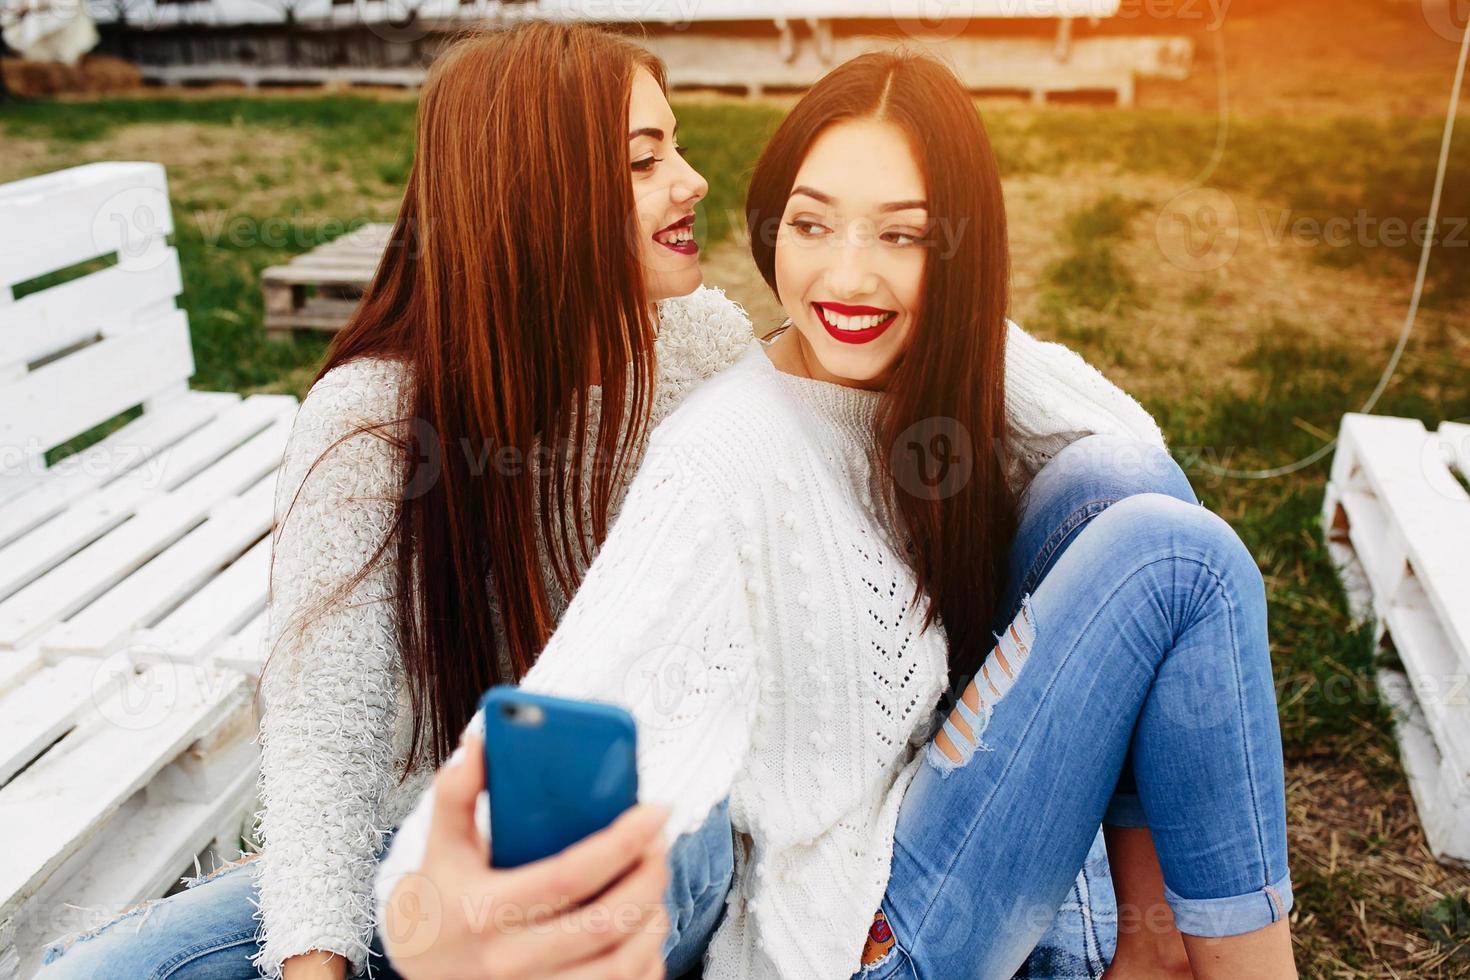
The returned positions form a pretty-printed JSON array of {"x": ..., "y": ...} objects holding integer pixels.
[
  {"x": 457, "y": 786},
  {"x": 587, "y": 867},
  {"x": 590, "y": 931},
  {"x": 641, "y": 956}
]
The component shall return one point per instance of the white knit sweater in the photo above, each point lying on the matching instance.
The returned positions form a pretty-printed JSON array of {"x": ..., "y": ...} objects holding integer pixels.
[
  {"x": 335, "y": 728},
  {"x": 751, "y": 611}
]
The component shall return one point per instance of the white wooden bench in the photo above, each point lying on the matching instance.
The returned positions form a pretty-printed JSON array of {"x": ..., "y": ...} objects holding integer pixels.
[
  {"x": 1397, "y": 522},
  {"x": 133, "y": 573}
]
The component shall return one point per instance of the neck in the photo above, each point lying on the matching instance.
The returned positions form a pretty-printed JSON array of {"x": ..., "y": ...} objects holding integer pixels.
[{"x": 792, "y": 353}]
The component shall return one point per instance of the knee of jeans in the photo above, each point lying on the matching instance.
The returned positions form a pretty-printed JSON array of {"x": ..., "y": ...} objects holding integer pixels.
[
  {"x": 67, "y": 943},
  {"x": 1126, "y": 465},
  {"x": 1152, "y": 525},
  {"x": 966, "y": 724}
]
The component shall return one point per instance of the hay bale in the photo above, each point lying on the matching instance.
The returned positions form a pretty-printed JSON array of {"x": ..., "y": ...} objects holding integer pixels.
[
  {"x": 104, "y": 73},
  {"x": 93, "y": 73}
]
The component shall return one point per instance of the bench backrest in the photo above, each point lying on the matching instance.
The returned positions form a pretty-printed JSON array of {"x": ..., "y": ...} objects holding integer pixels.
[{"x": 79, "y": 352}]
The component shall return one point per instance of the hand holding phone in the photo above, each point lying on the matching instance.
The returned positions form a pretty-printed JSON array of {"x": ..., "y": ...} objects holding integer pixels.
[
  {"x": 557, "y": 770},
  {"x": 435, "y": 925}
]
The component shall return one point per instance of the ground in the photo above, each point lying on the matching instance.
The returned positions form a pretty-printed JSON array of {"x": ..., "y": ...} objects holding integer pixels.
[{"x": 1240, "y": 270}]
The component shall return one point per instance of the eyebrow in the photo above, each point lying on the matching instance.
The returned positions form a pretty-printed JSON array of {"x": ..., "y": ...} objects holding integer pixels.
[
  {"x": 827, "y": 199},
  {"x": 653, "y": 131}
]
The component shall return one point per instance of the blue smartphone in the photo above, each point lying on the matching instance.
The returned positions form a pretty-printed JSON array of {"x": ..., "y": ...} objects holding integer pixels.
[{"x": 557, "y": 770}]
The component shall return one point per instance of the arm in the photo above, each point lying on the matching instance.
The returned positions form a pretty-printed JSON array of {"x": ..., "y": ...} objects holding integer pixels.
[
  {"x": 1054, "y": 397},
  {"x": 660, "y": 625},
  {"x": 327, "y": 756}
]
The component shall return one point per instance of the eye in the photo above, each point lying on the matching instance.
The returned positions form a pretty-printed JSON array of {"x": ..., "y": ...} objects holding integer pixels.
[
  {"x": 646, "y": 164},
  {"x": 804, "y": 227},
  {"x": 682, "y": 150},
  {"x": 909, "y": 237}
]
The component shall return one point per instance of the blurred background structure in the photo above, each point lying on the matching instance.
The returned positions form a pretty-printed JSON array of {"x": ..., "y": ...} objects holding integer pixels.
[{"x": 1037, "y": 47}]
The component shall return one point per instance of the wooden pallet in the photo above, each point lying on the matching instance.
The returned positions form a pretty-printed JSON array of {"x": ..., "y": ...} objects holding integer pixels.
[
  {"x": 319, "y": 290},
  {"x": 1397, "y": 523},
  {"x": 133, "y": 573}
]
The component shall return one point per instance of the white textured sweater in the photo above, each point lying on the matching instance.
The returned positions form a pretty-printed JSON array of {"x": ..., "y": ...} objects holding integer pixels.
[
  {"x": 336, "y": 723},
  {"x": 751, "y": 611}
]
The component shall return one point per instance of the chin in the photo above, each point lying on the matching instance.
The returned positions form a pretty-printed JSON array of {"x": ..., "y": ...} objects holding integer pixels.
[
  {"x": 670, "y": 286},
  {"x": 852, "y": 365}
]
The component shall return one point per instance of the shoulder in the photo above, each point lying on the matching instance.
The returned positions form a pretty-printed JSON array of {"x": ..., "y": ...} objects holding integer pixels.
[
  {"x": 364, "y": 388},
  {"x": 738, "y": 424},
  {"x": 701, "y": 333},
  {"x": 359, "y": 393}
]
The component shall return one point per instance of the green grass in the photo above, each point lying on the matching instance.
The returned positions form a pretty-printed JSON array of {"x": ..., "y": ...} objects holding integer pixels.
[
  {"x": 1317, "y": 169},
  {"x": 306, "y": 168}
]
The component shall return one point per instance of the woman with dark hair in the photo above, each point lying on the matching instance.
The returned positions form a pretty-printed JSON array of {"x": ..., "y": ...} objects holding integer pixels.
[
  {"x": 866, "y": 511},
  {"x": 461, "y": 451}
]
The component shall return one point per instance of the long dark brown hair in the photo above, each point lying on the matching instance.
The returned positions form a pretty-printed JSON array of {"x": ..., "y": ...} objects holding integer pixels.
[
  {"x": 946, "y": 396},
  {"x": 509, "y": 286}
]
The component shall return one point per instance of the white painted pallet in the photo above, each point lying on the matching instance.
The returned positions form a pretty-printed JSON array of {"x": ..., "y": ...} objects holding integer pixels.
[
  {"x": 1397, "y": 523},
  {"x": 133, "y": 574}
]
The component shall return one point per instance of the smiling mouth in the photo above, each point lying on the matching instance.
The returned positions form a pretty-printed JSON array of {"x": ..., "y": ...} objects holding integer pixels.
[
  {"x": 679, "y": 236},
  {"x": 854, "y": 324}
]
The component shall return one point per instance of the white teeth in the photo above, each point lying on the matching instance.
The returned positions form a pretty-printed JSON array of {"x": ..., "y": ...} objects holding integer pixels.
[
  {"x": 676, "y": 236},
  {"x": 842, "y": 322}
]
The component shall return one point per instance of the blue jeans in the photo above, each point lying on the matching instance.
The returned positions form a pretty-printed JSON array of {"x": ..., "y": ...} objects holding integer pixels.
[
  {"x": 208, "y": 931},
  {"x": 1131, "y": 684}
]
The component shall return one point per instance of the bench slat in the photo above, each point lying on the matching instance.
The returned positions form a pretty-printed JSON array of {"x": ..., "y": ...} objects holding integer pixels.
[
  {"x": 167, "y": 579},
  {"x": 90, "y": 517},
  {"x": 39, "y": 710},
  {"x": 156, "y": 524},
  {"x": 17, "y": 665},
  {"x": 71, "y": 395},
  {"x": 336, "y": 275},
  {"x": 227, "y": 604},
  {"x": 54, "y": 319},
  {"x": 57, "y": 220},
  {"x": 1434, "y": 670},
  {"x": 1430, "y": 515},
  {"x": 58, "y": 804},
  {"x": 244, "y": 651},
  {"x": 1456, "y": 436},
  {"x": 136, "y": 443}
]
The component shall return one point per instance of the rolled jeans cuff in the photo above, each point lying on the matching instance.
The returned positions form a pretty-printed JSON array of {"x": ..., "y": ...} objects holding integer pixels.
[
  {"x": 1232, "y": 916},
  {"x": 1125, "y": 810}
]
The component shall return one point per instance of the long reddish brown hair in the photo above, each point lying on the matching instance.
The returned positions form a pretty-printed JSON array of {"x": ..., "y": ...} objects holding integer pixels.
[
  {"x": 949, "y": 384},
  {"x": 509, "y": 286}
]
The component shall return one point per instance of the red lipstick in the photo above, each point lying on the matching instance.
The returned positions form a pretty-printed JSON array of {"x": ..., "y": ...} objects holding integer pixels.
[
  {"x": 689, "y": 247},
  {"x": 854, "y": 336}
]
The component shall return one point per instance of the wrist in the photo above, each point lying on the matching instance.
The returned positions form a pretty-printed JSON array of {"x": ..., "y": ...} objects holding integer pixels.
[{"x": 315, "y": 965}]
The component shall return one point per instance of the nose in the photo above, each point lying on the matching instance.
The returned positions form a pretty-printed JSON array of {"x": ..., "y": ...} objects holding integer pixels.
[
  {"x": 849, "y": 274},
  {"x": 690, "y": 186}
]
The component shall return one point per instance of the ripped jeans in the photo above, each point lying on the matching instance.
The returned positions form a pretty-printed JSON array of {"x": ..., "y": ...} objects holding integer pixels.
[
  {"x": 208, "y": 931},
  {"x": 1130, "y": 685}
]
